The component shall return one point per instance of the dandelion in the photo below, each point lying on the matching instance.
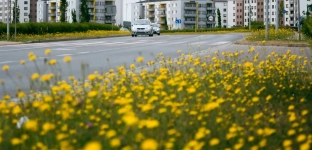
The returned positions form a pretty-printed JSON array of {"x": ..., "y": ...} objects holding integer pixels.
[
  {"x": 140, "y": 59},
  {"x": 47, "y": 51},
  {"x": 149, "y": 144},
  {"x": 5, "y": 68},
  {"x": 67, "y": 59},
  {"x": 115, "y": 142},
  {"x": 31, "y": 125},
  {"x": 34, "y": 76},
  {"x": 94, "y": 145},
  {"x": 16, "y": 141},
  {"x": 22, "y": 62},
  {"x": 214, "y": 142}
]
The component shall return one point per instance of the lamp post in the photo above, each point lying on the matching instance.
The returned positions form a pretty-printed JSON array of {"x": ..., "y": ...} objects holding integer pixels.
[
  {"x": 8, "y": 19},
  {"x": 277, "y": 14},
  {"x": 15, "y": 7},
  {"x": 267, "y": 20},
  {"x": 250, "y": 11},
  {"x": 299, "y": 19}
]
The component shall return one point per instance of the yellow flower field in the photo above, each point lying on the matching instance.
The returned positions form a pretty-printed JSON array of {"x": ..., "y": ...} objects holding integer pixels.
[
  {"x": 282, "y": 34},
  {"x": 216, "y": 102},
  {"x": 88, "y": 34}
]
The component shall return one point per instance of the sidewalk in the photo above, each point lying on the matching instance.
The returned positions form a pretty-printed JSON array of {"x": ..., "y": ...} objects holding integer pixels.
[{"x": 9, "y": 43}]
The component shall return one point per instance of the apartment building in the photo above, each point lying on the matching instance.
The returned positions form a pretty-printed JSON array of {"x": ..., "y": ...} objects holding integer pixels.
[
  {"x": 193, "y": 14},
  {"x": 101, "y": 11},
  {"x": 25, "y": 8},
  {"x": 6, "y": 8},
  {"x": 222, "y": 5}
]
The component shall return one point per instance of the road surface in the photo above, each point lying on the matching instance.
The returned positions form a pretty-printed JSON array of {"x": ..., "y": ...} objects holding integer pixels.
[{"x": 98, "y": 52}]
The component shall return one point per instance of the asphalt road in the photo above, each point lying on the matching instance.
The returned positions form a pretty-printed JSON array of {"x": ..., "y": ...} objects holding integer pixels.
[{"x": 97, "y": 53}]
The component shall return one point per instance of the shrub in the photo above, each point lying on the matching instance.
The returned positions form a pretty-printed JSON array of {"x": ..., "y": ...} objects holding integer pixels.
[
  {"x": 307, "y": 27},
  {"x": 45, "y": 28}
]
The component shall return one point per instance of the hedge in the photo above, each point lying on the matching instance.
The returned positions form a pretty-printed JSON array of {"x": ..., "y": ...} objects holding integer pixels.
[{"x": 44, "y": 27}]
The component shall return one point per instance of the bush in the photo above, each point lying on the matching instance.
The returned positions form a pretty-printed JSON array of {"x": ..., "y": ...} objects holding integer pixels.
[
  {"x": 45, "y": 28},
  {"x": 307, "y": 27}
]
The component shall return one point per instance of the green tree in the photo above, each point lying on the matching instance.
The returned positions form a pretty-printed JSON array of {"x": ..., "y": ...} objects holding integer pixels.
[
  {"x": 63, "y": 9},
  {"x": 84, "y": 12},
  {"x": 17, "y": 12},
  {"x": 165, "y": 23},
  {"x": 280, "y": 12},
  {"x": 219, "y": 18},
  {"x": 73, "y": 13}
]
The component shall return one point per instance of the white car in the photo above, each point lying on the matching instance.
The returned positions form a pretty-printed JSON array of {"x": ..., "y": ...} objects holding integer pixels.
[
  {"x": 156, "y": 28},
  {"x": 142, "y": 27}
]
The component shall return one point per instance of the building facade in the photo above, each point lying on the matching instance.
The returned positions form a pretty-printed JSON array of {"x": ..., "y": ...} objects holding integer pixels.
[{"x": 24, "y": 9}]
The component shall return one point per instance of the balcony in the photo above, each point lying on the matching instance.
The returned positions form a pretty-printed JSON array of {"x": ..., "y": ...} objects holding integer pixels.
[
  {"x": 52, "y": 14},
  {"x": 58, "y": 14},
  {"x": 189, "y": 15},
  {"x": 161, "y": 15},
  {"x": 150, "y": 9},
  {"x": 211, "y": 8},
  {"x": 291, "y": 8},
  {"x": 109, "y": 21},
  {"x": 52, "y": 7},
  {"x": 150, "y": 16},
  {"x": 291, "y": 2},
  {"x": 110, "y": 14},
  {"x": 161, "y": 22},
  {"x": 189, "y": 22},
  {"x": 291, "y": 22},
  {"x": 90, "y": 6},
  {"x": 161, "y": 9},
  {"x": 211, "y": 22},
  {"x": 291, "y": 15},
  {"x": 189, "y": 7},
  {"x": 211, "y": 14},
  {"x": 91, "y": 13}
]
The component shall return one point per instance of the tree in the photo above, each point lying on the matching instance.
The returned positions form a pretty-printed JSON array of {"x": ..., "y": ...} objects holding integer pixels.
[
  {"x": 17, "y": 12},
  {"x": 165, "y": 23},
  {"x": 280, "y": 12},
  {"x": 84, "y": 15},
  {"x": 219, "y": 18},
  {"x": 73, "y": 13},
  {"x": 63, "y": 9}
]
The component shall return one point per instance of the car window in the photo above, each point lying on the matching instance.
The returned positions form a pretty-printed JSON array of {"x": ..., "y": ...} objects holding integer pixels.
[{"x": 141, "y": 22}]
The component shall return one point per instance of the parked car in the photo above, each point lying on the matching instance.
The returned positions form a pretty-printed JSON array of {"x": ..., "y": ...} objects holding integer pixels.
[
  {"x": 156, "y": 28},
  {"x": 142, "y": 27}
]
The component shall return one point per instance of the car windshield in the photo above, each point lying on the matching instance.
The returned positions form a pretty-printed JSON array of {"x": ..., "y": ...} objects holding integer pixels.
[
  {"x": 141, "y": 22},
  {"x": 155, "y": 25}
]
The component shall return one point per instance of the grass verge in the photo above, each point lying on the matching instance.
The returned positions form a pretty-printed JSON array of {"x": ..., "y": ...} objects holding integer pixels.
[
  {"x": 65, "y": 36},
  {"x": 219, "y": 101}
]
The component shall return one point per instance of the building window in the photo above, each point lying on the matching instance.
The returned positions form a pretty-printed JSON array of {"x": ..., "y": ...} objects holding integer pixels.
[
  {"x": 224, "y": 10},
  {"x": 25, "y": 8},
  {"x": 25, "y": 2}
]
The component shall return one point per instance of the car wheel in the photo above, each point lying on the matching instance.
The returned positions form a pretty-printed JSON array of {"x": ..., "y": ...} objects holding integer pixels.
[
  {"x": 136, "y": 35},
  {"x": 132, "y": 35},
  {"x": 158, "y": 33}
]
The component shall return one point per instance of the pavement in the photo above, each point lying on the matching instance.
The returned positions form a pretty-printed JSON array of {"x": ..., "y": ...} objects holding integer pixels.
[{"x": 104, "y": 54}]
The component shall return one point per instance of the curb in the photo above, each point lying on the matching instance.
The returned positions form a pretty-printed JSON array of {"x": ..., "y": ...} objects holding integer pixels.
[
  {"x": 272, "y": 44},
  {"x": 72, "y": 39}
]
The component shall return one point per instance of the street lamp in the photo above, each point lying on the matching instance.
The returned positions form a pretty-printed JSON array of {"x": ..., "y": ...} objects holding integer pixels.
[
  {"x": 277, "y": 15},
  {"x": 249, "y": 15},
  {"x": 8, "y": 19},
  {"x": 267, "y": 20},
  {"x": 299, "y": 19}
]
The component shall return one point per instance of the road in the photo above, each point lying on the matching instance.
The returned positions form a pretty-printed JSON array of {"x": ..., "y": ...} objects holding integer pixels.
[{"x": 98, "y": 52}]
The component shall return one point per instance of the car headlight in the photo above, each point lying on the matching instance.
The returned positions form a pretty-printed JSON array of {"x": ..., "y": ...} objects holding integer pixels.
[
  {"x": 133, "y": 29},
  {"x": 147, "y": 28}
]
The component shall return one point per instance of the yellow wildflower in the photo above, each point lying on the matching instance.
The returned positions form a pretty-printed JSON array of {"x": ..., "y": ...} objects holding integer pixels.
[
  {"x": 214, "y": 142},
  {"x": 5, "y": 68},
  {"x": 94, "y": 145},
  {"x": 149, "y": 144}
]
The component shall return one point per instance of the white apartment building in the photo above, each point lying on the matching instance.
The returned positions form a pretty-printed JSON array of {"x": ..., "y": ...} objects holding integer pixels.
[
  {"x": 193, "y": 14},
  {"x": 101, "y": 11},
  {"x": 222, "y": 5},
  {"x": 24, "y": 6},
  {"x": 231, "y": 13},
  {"x": 250, "y": 8},
  {"x": 4, "y": 10}
]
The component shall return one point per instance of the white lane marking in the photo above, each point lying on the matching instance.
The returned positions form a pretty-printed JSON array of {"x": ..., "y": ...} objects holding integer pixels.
[
  {"x": 64, "y": 55},
  {"x": 7, "y": 62},
  {"x": 83, "y": 52},
  {"x": 61, "y": 49},
  {"x": 219, "y": 43}
]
